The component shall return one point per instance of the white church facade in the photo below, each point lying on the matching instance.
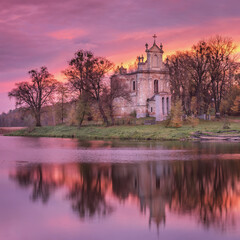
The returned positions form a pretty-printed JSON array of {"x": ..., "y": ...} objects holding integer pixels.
[{"x": 148, "y": 85}]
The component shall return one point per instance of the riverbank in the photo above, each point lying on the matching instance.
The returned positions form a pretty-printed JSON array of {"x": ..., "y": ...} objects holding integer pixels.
[
  {"x": 139, "y": 132},
  {"x": 8, "y": 130}
]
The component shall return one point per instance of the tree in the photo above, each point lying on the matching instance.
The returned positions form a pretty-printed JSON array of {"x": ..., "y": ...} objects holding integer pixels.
[
  {"x": 83, "y": 108},
  {"x": 221, "y": 68},
  {"x": 117, "y": 89},
  {"x": 180, "y": 80},
  {"x": 35, "y": 94},
  {"x": 197, "y": 65},
  {"x": 236, "y": 106},
  {"x": 86, "y": 73},
  {"x": 175, "y": 118},
  {"x": 205, "y": 74},
  {"x": 62, "y": 98}
]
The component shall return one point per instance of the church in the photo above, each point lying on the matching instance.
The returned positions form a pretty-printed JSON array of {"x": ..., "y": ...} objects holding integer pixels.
[{"x": 148, "y": 85}]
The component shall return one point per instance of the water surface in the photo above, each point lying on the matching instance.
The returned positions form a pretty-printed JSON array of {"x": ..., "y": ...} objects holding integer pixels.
[{"x": 70, "y": 189}]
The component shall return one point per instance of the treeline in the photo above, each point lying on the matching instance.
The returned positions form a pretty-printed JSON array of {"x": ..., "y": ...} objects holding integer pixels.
[
  {"x": 206, "y": 78},
  {"x": 86, "y": 94}
]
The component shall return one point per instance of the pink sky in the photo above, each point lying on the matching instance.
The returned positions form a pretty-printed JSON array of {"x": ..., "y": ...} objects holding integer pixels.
[{"x": 48, "y": 32}]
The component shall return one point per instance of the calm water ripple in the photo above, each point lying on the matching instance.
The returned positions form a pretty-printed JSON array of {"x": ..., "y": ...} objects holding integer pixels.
[{"x": 69, "y": 189}]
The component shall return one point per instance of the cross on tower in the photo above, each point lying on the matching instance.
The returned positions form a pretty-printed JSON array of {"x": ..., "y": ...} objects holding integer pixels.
[{"x": 154, "y": 37}]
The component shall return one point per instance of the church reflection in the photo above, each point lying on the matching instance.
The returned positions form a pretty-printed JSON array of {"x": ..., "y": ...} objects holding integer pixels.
[{"x": 207, "y": 190}]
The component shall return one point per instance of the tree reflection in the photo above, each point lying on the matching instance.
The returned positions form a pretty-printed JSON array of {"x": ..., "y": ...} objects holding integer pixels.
[
  {"x": 86, "y": 190},
  {"x": 88, "y": 195},
  {"x": 207, "y": 190},
  {"x": 33, "y": 176}
]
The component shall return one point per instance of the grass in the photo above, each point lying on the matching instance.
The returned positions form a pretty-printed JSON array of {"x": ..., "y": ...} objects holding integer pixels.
[{"x": 138, "y": 132}]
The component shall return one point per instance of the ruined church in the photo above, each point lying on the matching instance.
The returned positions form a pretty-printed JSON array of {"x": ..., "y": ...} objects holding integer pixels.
[{"x": 148, "y": 85}]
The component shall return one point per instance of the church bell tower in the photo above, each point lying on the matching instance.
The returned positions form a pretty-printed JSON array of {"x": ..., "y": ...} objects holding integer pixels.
[{"x": 154, "y": 55}]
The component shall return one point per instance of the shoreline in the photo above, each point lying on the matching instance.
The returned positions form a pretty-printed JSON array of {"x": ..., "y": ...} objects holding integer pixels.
[{"x": 205, "y": 131}]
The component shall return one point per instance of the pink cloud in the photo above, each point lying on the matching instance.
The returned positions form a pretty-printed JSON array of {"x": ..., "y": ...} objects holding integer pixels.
[
  {"x": 67, "y": 34},
  {"x": 48, "y": 32}
]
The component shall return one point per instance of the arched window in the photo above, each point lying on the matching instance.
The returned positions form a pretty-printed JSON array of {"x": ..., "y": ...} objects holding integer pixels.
[
  {"x": 155, "y": 86},
  {"x": 155, "y": 61},
  {"x": 167, "y": 105},
  {"x": 134, "y": 86},
  {"x": 163, "y": 107}
]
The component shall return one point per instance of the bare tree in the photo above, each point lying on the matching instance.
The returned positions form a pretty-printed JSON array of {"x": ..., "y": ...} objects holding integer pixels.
[
  {"x": 35, "y": 94},
  {"x": 205, "y": 73},
  {"x": 62, "y": 99},
  {"x": 86, "y": 73},
  {"x": 197, "y": 66},
  {"x": 180, "y": 80},
  {"x": 221, "y": 68}
]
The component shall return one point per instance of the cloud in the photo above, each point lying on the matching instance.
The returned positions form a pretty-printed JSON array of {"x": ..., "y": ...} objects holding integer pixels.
[
  {"x": 48, "y": 32},
  {"x": 67, "y": 34}
]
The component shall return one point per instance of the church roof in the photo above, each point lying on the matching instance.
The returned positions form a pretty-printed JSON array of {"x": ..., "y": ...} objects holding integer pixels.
[{"x": 155, "y": 48}]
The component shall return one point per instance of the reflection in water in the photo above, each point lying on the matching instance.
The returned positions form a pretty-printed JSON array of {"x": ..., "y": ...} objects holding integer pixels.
[{"x": 207, "y": 190}]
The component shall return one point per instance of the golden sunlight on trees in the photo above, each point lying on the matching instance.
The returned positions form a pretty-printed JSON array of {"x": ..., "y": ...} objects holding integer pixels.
[
  {"x": 37, "y": 93},
  {"x": 204, "y": 76},
  {"x": 221, "y": 68},
  {"x": 205, "y": 80}
]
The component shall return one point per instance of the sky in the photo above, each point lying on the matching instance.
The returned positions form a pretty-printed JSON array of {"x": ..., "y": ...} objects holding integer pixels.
[{"x": 35, "y": 33}]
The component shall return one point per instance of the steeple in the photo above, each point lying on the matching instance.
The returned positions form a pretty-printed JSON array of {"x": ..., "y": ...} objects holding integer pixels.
[
  {"x": 154, "y": 37},
  {"x": 154, "y": 55}
]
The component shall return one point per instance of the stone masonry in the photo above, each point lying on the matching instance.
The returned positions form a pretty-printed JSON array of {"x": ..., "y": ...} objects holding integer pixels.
[{"x": 149, "y": 87}]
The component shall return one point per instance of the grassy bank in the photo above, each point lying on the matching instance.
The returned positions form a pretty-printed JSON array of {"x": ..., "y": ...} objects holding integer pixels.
[
  {"x": 8, "y": 130},
  {"x": 140, "y": 132}
]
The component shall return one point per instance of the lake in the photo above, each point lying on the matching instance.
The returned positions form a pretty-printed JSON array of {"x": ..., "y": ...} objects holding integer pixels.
[{"x": 101, "y": 190}]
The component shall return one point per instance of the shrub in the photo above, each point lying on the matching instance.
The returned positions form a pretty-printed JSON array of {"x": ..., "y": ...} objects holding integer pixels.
[
  {"x": 175, "y": 117},
  {"x": 226, "y": 123},
  {"x": 133, "y": 113},
  {"x": 236, "y": 106},
  {"x": 72, "y": 119},
  {"x": 193, "y": 121}
]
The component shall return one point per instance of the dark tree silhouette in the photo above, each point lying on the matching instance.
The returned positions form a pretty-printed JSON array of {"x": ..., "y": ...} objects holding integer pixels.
[{"x": 35, "y": 94}]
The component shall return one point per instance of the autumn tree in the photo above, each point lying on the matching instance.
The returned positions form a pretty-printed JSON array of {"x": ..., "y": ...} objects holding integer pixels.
[
  {"x": 180, "y": 80},
  {"x": 35, "y": 94},
  {"x": 236, "y": 106},
  {"x": 86, "y": 74},
  {"x": 175, "y": 117},
  {"x": 221, "y": 68},
  {"x": 196, "y": 65},
  {"x": 204, "y": 75}
]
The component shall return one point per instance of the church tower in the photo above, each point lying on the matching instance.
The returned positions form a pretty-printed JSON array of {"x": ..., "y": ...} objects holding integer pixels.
[
  {"x": 148, "y": 85},
  {"x": 154, "y": 56}
]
